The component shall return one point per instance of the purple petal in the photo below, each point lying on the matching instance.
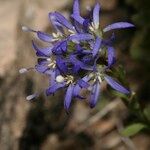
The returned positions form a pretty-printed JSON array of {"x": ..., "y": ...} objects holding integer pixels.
[
  {"x": 97, "y": 46},
  {"x": 45, "y": 52},
  {"x": 111, "y": 56},
  {"x": 63, "y": 21},
  {"x": 95, "y": 94},
  {"x": 52, "y": 74},
  {"x": 115, "y": 85},
  {"x": 76, "y": 68},
  {"x": 61, "y": 64},
  {"x": 41, "y": 68},
  {"x": 80, "y": 64},
  {"x": 96, "y": 19},
  {"x": 86, "y": 67},
  {"x": 86, "y": 78},
  {"x": 76, "y": 90},
  {"x": 76, "y": 12},
  {"x": 77, "y": 18},
  {"x": 55, "y": 23},
  {"x": 83, "y": 84},
  {"x": 78, "y": 27},
  {"x": 81, "y": 37},
  {"x": 87, "y": 59},
  {"x": 68, "y": 97},
  {"x": 79, "y": 48},
  {"x": 44, "y": 36},
  {"x": 52, "y": 89},
  {"x": 60, "y": 47},
  {"x": 118, "y": 25},
  {"x": 86, "y": 24},
  {"x": 76, "y": 9}
]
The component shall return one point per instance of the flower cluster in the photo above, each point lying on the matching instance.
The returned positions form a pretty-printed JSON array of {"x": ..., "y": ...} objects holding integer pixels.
[{"x": 74, "y": 58}]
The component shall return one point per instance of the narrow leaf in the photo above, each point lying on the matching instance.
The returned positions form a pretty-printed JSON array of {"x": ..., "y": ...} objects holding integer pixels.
[{"x": 133, "y": 129}]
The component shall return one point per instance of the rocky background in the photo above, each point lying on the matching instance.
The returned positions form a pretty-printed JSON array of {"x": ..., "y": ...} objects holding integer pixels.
[{"x": 43, "y": 124}]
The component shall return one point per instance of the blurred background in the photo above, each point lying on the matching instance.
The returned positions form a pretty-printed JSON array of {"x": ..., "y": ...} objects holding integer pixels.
[{"x": 42, "y": 124}]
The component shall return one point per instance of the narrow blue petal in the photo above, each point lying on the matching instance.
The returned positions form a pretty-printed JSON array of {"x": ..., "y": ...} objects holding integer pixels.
[
  {"x": 77, "y": 18},
  {"x": 87, "y": 59},
  {"x": 86, "y": 67},
  {"x": 76, "y": 9},
  {"x": 95, "y": 94},
  {"x": 63, "y": 21},
  {"x": 60, "y": 47},
  {"x": 86, "y": 24},
  {"x": 61, "y": 64},
  {"x": 111, "y": 56},
  {"x": 80, "y": 64},
  {"x": 44, "y": 52},
  {"x": 97, "y": 46},
  {"x": 76, "y": 12},
  {"x": 58, "y": 27},
  {"x": 44, "y": 36},
  {"x": 76, "y": 92},
  {"x": 77, "y": 26},
  {"x": 52, "y": 77},
  {"x": 81, "y": 37},
  {"x": 118, "y": 25},
  {"x": 76, "y": 68},
  {"x": 83, "y": 84},
  {"x": 52, "y": 89},
  {"x": 86, "y": 78},
  {"x": 68, "y": 97},
  {"x": 96, "y": 18},
  {"x": 41, "y": 68},
  {"x": 115, "y": 85},
  {"x": 79, "y": 48}
]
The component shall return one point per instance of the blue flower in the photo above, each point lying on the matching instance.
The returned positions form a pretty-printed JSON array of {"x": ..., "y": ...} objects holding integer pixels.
[
  {"x": 77, "y": 56},
  {"x": 72, "y": 88},
  {"x": 98, "y": 78}
]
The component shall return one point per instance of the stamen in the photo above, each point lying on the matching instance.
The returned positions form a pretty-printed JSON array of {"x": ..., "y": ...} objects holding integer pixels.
[
  {"x": 27, "y": 29},
  {"x": 69, "y": 79},
  {"x": 49, "y": 59},
  {"x": 24, "y": 70},
  {"x": 60, "y": 79},
  {"x": 99, "y": 79},
  {"x": 31, "y": 97},
  {"x": 56, "y": 35},
  {"x": 91, "y": 28},
  {"x": 72, "y": 32}
]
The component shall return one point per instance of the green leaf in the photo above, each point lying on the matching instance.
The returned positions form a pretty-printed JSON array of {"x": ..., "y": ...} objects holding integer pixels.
[
  {"x": 147, "y": 112},
  {"x": 133, "y": 129}
]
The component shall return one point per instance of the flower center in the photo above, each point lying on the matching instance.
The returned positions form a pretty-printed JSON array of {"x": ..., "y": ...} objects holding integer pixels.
[{"x": 52, "y": 63}]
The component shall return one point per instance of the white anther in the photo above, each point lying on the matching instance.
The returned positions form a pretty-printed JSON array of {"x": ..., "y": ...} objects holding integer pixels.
[
  {"x": 30, "y": 97},
  {"x": 99, "y": 78},
  {"x": 52, "y": 65},
  {"x": 49, "y": 59},
  {"x": 23, "y": 70},
  {"x": 91, "y": 28},
  {"x": 56, "y": 35},
  {"x": 60, "y": 79},
  {"x": 27, "y": 29},
  {"x": 72, "y": 32}
]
